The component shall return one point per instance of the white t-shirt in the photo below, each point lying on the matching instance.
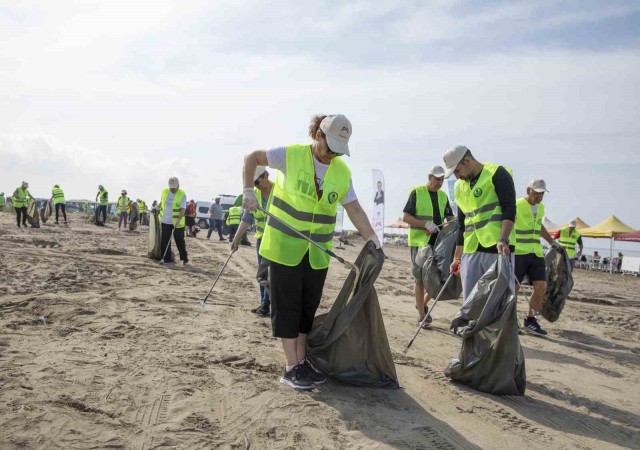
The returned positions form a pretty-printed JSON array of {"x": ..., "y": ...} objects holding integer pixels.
[
  {"x": 277, "y": 159},
  {"x": 534, "y": 211},
  {"x": 167, "y": 216}
]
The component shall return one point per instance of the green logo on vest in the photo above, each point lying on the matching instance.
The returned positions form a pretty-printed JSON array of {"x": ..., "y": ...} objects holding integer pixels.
[
  {"x": 333, "y": 196},
  {"x": 477, "y": 192}
]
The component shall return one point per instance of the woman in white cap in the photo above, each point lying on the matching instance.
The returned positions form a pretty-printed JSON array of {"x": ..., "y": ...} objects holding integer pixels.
[
  {"x": 171, "y": 210},
  {"x": 20, "y": 201},
  {"x": 312, "y": 181}
]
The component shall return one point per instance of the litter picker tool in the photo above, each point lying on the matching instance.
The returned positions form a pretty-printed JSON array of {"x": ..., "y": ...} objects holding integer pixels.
[
  {"x": 347, "y": 264},
  {"x": 204, "y": 300},
  {"x": 420, "y": 325},
  {"x": 168, "y": 244}
]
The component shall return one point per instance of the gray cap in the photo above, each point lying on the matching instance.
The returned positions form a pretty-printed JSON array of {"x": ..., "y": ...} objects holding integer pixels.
[
  {"x": 538, "y": 185},
  {"x": 337, "y": 129},
  {"x": 452, "y": 158},
  {"x": 437, "y": 171},
  {"x": 572, "y": 223}
]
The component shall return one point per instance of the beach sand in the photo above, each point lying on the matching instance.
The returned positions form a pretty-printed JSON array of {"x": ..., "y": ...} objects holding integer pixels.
[{"x": 101, "y": 347}]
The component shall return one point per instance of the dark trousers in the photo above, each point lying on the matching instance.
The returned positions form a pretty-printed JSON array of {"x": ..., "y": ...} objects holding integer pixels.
[
  {"x": 264, "y": 295},
  {"x": 102, "y": 209},
  {"x": 232, "y": 232},
  {"x": 178, "y": 236},
  {"x": 60, "y": 206},
  {"x": 21, "y": 212},
  {"x": 217, "y": 224}
]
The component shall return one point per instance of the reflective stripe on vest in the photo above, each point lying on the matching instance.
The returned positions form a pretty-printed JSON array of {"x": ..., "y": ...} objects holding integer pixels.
[
  {"x": 175, "y": 205},
  {"x": 58, "y": 195},
  {"x": 22, "y": 199},
  {"x": 527, "y": 229},
  {"x": 295, "y": 201},
  {"x": 568, "y": 241},
  {"x": 233, "y": 218},
  {"x": 424, "y": 211},
  {"x": 483, "y": 214}
]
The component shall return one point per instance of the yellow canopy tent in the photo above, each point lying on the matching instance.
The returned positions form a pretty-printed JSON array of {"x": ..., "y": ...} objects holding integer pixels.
[
  {"x": 580, "y": 225},
  {"x": 607, "y": 229}
]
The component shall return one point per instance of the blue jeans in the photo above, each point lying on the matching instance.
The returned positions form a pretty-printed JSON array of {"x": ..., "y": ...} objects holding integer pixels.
[
  {"x": 217, "y": 224},
  {"x": 264, "y": 295}
]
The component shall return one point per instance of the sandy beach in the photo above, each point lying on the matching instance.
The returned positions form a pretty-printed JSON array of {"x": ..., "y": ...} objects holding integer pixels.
[{"x": 101, "y": 347}]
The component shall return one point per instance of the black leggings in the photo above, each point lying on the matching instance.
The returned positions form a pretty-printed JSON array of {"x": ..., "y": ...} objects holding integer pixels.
[
  {"x": 178, "y": 236},
  {"x": 64, "y": 214},
  {"x": 21, "y": 212}
]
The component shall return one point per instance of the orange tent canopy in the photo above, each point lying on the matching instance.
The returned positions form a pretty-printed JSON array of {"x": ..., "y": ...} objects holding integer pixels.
[{"x": 580, "y": 225}]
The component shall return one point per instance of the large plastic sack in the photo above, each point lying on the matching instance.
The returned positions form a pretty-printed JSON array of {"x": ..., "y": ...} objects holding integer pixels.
[
  {"x": 134, "y": 216},
  {"x": 559, "y": 284},
  {"x": 491, "y": 358},
  {"x": 349, "y": 342},
  {"x": 33, "y": 215},
  {"x": 263, "y": 275},
  {"x": 435, "y": 269}
]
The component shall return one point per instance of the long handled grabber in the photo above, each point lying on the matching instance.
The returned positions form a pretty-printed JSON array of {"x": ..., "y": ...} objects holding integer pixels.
[
  {"x": 168, "y": 245},
  {"x": 204, "y": 300},
  {"x": 347, "y": 264},
  {"x": 421, "y": 324}
]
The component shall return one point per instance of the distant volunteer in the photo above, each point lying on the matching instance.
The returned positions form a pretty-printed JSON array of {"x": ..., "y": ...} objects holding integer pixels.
[
  {"x": 57, "y": 195},
  {"x": 529, "y": 256},
  {"x": 20, "y": 201},
  {"x": 103, "y": 198},
  {"x": 233, "y": 221},
  {"x": 569, "y": 237},
  {"x": 216, "y": 215},
  {"x": 312, "y": 181},
  {"x": 3, "y": 201},
  {"x": 123, "y": 209},
  {"x": 262, "y": 189},
  {"x": 486, "y": 199},
  {"x": 427, "y": 208},
  {"x": 171, "y": 210}
]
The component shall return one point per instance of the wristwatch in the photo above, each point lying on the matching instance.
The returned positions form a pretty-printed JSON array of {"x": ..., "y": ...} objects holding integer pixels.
[{"x": 505, "y": 240}]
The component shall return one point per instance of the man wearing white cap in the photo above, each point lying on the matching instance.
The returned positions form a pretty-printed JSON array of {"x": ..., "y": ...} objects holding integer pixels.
[
  {"x": 171, "y": 210},
  {"x": 486, "y": 199},
  {"x": 262, "y": 188},
  {"x": 568, "y": 238},
  {"x": 425, "y": 212},
  {"x": 529, "y": 257},
  {"x": 311, "y": 182}
]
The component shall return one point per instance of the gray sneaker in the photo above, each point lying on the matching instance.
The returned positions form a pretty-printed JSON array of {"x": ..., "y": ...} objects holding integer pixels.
[{"x": 297, "y": 378}]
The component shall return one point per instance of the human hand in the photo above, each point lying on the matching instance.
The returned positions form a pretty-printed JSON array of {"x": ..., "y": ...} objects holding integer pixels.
[
  {"x": 249, "y": 200},
  {"x": 234, "y": 246},
  {"x": 430, "y": 228},
  {"x": 503, "y": 247},
  {"x": 454, "y": 268},
  {"x": 556, "y": 245},
  {"x": 374, "y": 238}
]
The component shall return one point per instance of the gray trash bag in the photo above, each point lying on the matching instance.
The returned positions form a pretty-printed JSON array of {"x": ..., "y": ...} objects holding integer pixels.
[
  {"x": 435, "y": 270},
  {"x": 559, "y": 284},
  {"x": 263, "y": 275},
  {"x": 491, "y": 358},
  {"x": 349, "y": 342}
]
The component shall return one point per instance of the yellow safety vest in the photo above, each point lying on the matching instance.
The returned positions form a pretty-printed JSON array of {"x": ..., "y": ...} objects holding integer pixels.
[
  {"x": 568, "y": 241},
  {"x": 126, "y": 202},
  {"x": 259, "y": 216},
  {"x": 103, "y": 196},
  {"x": 58, "y": 195},
  {"x": 22, "y": 199},
  {"x": 2, "y": 200},
  {"x": 233, "y": 218},
  {"x": 295, "y": 202},
  {"x": 175, "y": 206},
  {"x": 142, "y": 206},
  {"x": 483, "y": 214},
  {"x": 424, "y": 211},
  {"x": 527, "y": 229}
]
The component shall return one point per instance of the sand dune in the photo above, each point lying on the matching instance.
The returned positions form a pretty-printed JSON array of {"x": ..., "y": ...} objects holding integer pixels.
[{"x": 101, "y": 347}]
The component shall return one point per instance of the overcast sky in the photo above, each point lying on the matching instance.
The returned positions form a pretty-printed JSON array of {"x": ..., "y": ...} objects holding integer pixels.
[{"x": 128, "y": 93}]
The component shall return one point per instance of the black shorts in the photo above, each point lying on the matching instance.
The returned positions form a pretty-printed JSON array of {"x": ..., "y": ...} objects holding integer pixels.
[
  {"x": 189, "y": 221},
  {"x": 295, "y": 296},
  {"x": 531, "y": 265}
]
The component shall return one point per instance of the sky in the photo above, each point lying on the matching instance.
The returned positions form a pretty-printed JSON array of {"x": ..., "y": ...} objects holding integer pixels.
[{"x": 129, "y": 93}]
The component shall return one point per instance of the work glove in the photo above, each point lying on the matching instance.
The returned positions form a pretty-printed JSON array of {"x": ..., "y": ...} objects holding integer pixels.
[
  {"x": 556, "y": 245},
  {"x": 374, "y": 238},
  {"x": 249, "y": 200},
  {"x": 430, "y": 228},
  {"x": 455, "y": 267}
]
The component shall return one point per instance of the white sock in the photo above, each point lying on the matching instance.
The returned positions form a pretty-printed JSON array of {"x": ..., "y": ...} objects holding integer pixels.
[
  {"x": 288, "y": 368},
  {"x": 302, "y": 361}
]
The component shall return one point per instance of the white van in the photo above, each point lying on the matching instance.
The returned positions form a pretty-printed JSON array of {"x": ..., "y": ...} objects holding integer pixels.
[{"x": 202, "y": 209}]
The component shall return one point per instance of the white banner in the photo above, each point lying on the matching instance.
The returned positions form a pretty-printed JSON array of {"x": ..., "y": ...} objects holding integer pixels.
[
  {"x": 377, "y": 220},
  {"x": 339, "y": 218}
]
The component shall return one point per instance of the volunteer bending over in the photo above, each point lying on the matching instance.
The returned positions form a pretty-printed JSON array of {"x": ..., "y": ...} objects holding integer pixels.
[{"x": 312, "y": 180}]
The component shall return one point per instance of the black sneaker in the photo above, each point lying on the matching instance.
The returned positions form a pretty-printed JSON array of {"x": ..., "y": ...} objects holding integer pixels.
[
  {"x": 311, "y": 373},
  {"x": 429, "y": 318},
  {"x": 531, "y": 324},
  {"x": 264, "y": 311},
  {"x": 297, "y": 378},
  {"x": 255, "y": 310}
]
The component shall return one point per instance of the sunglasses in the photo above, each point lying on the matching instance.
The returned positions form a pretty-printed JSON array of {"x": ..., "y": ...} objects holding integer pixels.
[{"x": 261, "y": 177}]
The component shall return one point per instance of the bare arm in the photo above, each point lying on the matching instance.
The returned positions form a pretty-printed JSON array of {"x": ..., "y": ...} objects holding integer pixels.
[
  {"x": 251, "y": 161},
  {"x": 412, "y": 221},
  {"x": 181, "y": 215},
  {"x": 507, "y": 226},
  {"x": 244, "y": 226},
  {"x": 359, "y": 218},
  {"x": 545, "y": 234}
]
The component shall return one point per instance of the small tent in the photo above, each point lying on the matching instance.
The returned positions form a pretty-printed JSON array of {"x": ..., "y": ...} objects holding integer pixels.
[{"x": 607, "y": 229}]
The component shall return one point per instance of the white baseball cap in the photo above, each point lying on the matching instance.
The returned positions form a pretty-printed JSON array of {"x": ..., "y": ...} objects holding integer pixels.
[
  {"x": 538, "y": 185},
  {"x": 452, "y": 158},
  {"x": 437, "y": 171},
  {"x": 174, "y": 183},
  {"x": 259, "y": 171},
  {"x": 337, "y": 129},
  {"x": 572, "y": 223}
]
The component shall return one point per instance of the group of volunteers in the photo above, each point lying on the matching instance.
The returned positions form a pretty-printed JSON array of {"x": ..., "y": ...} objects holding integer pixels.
[
  {"x": 126, "y": 208},
  {"x": 491, "y": 220},
  {"x": 21, "y": 199}
]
